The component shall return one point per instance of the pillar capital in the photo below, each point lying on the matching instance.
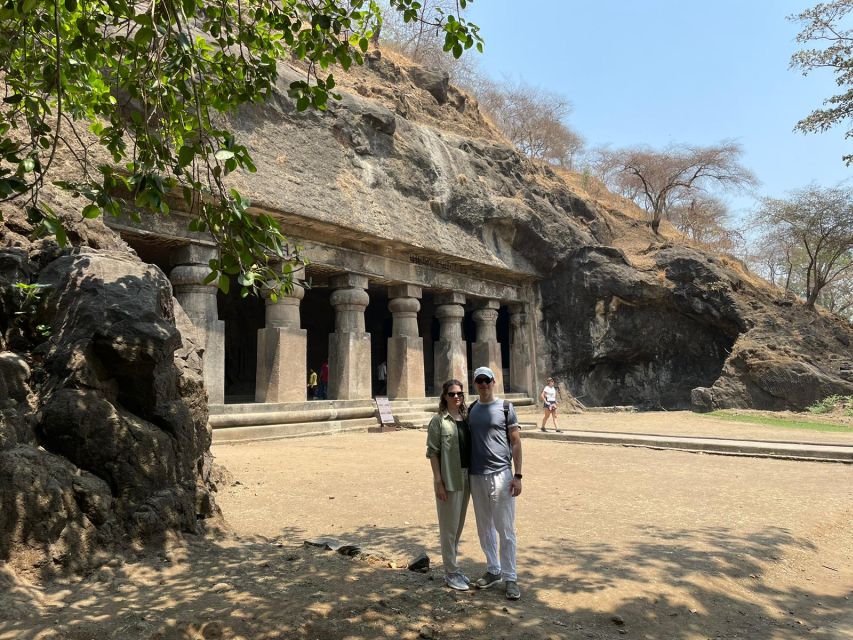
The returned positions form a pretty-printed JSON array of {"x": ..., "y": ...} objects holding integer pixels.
[
  {"x": 450, "y": 297},
  {"x": 284, "y": 312},
  {"x": 449, "y": 312},
  {"x": 405, "y": 291},
  {"x": 349, "y": 281},
  {"x": 193, "y": 254},
  {"x": 488, "y": 304}
]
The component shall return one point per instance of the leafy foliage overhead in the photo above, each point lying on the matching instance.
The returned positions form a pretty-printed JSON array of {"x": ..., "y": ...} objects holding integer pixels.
[
  {"x": 147, "y": 81},
  {"x": 828, "y": 23}
]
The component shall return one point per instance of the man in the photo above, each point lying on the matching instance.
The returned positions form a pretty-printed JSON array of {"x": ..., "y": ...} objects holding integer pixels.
[
  {"x": 312, "y": 384},
  {"x": 382, "y": 377},
  {"x": 495, "y": 448},
  {"x": 324, "y": 380}
]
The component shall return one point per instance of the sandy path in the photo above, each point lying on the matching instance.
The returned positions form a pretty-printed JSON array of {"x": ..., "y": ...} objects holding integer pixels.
[{"x": 614, "y": 542}]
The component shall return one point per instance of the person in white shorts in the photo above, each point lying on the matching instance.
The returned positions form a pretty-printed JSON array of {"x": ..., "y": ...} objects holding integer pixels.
[
  {"x": 495, "y": 449},
  {"x": 549, "y": 400}
]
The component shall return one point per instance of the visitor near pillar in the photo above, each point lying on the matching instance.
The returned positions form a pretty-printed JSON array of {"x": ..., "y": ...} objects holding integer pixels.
[
  {"x": 324, "y": 380},
  {"x": 312, "y": 384}
]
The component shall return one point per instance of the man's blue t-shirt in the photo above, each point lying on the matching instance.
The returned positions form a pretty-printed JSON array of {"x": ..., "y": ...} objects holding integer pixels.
[{"x": 490, "y": 449}]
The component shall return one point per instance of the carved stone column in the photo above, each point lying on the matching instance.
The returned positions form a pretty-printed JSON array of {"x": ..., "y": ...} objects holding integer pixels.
[
  {"x": 486, "y": 351},
  {"x": 405, "y": 346},
  {"x": 451, "y": 359},
  {"x": 198, "y": 300},
  {"x": 349, "y": 345},
  {"x": 520, "y": 366},
  {"x": 282, "y": 351}
]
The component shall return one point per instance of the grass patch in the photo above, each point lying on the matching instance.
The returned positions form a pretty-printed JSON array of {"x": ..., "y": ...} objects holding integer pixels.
[{"x": 781, "y": 422}]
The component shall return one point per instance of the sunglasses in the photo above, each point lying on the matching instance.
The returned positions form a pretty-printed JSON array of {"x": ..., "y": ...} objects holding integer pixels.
[
  {"x": 456, "y": 394},
  {"x": 483, "y": 380}
]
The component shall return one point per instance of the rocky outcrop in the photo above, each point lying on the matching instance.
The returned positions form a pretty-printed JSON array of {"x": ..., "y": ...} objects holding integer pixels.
[
  {"x": 423, "y": 173},
  {"x": 104, "y": 436}
]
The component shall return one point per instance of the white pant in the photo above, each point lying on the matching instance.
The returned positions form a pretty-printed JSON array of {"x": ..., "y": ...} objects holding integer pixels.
[
  {"x": 494, "y": 509},
  {"x": 451, "y": 520}
]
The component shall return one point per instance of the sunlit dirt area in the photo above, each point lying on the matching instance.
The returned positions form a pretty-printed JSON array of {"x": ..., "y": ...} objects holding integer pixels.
[{"x": 613, "y": 542}]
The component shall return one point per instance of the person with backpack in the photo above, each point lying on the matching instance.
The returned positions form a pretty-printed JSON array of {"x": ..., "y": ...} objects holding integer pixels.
[
  {"x": 495, "y": 449},
  {"x": 449, "y": 453}
]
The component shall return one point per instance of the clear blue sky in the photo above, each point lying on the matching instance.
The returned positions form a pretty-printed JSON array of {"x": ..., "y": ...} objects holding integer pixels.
[{"x": 685, "y": 71}]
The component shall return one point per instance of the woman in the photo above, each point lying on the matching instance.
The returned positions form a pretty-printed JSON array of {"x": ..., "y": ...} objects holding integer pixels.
[
  {"x": 549, "y": 398},
  {"x": 449, "y": 452}
]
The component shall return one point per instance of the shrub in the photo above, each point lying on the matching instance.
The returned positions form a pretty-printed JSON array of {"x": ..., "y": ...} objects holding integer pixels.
[{"x": 831, "y": 402}]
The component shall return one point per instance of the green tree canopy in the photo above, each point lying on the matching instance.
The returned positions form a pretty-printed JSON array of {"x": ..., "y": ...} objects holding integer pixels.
[{"x": 148, "y": 80}]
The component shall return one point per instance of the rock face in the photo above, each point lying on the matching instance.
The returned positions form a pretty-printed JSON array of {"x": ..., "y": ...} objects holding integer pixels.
[
  {"x": 645, "y": 326},
  {"x": 104, "y": 437}
]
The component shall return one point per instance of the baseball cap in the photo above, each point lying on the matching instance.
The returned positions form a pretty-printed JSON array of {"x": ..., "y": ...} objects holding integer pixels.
[{"x": 484, "y": 371}]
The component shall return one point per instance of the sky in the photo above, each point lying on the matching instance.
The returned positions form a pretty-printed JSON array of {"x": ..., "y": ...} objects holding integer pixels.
[{"x": 655, "y": 72}]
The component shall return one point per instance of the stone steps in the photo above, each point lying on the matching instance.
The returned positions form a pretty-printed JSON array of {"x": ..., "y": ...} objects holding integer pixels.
[{"x": 251, "y": 421}]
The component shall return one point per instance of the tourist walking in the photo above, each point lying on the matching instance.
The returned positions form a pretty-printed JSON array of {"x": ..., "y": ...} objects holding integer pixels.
[
  {"x": 449, "y": 453},
  {"x": 549, "y": 399},
  {"x": 312, "y": 384},
  {"x": 495, "y": 448},
  {"x": 324, "y": 380}
]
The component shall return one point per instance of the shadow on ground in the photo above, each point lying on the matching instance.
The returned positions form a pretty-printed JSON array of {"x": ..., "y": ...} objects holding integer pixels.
[{"x": 682, "y": 585}]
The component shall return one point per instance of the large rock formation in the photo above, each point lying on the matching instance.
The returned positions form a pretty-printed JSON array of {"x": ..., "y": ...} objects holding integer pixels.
[
  {"x": 628, "y": 317},
  {"x": 104, "y": 436}
]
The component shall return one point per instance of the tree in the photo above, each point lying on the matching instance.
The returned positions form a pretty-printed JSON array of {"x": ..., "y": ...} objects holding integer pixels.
[
  {"x": 819, "y": 222},
  {"x": 667, "y": 180},
  {"x": 148, "y": 81},
  {"x": 824, "y": 23},
  {"x": 533, "y": 119},
  {"x": 703, "y": 219}
]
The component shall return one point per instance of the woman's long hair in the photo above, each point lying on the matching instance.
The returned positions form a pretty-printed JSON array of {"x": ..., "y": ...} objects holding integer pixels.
[{"x": 442, "y": 402}]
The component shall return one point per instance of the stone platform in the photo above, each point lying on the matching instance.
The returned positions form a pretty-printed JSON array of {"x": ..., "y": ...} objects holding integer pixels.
[{"x": 251, "y": 421}]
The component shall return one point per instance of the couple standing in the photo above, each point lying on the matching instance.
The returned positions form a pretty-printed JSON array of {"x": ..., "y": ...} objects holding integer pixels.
[{"x": 472, "y": 451}]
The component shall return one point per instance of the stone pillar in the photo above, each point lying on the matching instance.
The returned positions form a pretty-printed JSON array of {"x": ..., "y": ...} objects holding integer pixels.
[
  {"x": 451, "y": 358},
  {"x": 349, "y": 345},
  {"x": 405, "y": 346},
  {"x": 486, "y": 351},
  {"x": 198, "y": 300},
  {"x": 282, "y": 351},
  {"x": 520, "y": 365}
]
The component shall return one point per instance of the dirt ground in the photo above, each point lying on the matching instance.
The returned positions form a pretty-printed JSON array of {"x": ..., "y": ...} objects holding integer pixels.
[{"x": 613, "y": 542}]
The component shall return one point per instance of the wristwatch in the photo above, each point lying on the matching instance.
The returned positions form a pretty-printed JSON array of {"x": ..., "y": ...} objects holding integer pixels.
[{"x": 517, "y": 476}]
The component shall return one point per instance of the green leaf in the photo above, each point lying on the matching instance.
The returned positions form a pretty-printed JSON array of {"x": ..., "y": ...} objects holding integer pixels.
[
  {"x": 224, "y": 154},
  {"x": 185, "y": 156},
  {"x": 91, "y": 211},
  {"x": 224, "y": 284}
]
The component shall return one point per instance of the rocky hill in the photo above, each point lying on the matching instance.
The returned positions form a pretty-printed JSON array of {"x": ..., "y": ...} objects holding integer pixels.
[{"x": 630, "y": 317}]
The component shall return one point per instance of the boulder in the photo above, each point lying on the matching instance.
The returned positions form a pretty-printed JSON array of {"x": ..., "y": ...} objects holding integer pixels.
[{"x": 113, "y": 442}]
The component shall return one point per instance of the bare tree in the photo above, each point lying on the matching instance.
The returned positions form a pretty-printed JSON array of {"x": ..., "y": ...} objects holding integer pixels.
[
  {"x": 703, "y": 219},
  {"x": 823, "y": 24},
  {"x": 819, "y": 221},
  {"x": 533, "y": 119},
  {"x": 673, "y": 177},
  {"x": 837, "y": 296},
  {"x": 778, "y": 258}
]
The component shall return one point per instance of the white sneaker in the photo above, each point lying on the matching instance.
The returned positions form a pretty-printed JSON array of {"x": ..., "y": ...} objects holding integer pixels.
[{"x": 456, "y": 581}]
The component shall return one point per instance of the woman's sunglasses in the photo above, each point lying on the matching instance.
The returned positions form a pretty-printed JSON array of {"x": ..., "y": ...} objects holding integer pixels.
[{"x": 456, "y": 394}]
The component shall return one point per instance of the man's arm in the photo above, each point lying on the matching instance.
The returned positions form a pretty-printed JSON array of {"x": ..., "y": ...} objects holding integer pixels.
[{"x": 515, "y": 444}]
